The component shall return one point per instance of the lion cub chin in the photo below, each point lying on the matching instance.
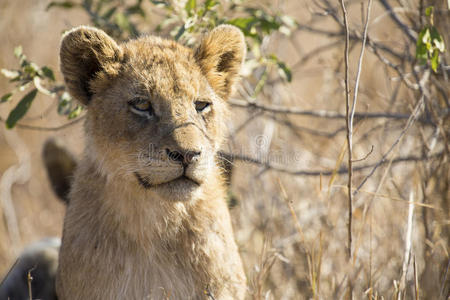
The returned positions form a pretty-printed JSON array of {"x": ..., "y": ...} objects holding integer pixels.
[{"x": 147, "y": 217}]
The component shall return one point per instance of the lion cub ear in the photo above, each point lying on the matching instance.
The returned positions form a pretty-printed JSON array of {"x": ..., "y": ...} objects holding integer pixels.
[
  {"x": 220, "y": 55},
  {"x": 87, "y": 53}
]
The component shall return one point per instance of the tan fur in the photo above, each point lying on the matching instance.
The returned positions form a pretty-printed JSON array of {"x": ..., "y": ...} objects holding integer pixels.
[{"x": 134, "y": 228}]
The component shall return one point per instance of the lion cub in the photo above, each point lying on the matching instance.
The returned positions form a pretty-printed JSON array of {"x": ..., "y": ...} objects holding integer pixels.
[{"x": 147, "y": 217}]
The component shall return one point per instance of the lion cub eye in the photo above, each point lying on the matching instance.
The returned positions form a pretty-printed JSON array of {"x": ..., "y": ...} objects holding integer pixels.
[
  {"x": 202, "y": 106},
  {"x": 141, "y": 107}
]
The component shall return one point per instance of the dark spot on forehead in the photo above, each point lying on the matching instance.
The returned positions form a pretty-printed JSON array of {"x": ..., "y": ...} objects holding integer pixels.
[{"x": 172, "y": 70}]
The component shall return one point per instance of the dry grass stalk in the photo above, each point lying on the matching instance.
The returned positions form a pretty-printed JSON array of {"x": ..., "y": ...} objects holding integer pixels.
[
  {"x": 267, "y": 259},
  {"x": 416, "y": 280},
  {"x": 29, "y": 280},
  {"x": 408, "y": 244},
  {"x": 314, "y": 276}
]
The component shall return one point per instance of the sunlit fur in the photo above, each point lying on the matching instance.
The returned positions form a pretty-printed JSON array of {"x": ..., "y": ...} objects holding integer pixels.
[{"x": 134, "y": 228}]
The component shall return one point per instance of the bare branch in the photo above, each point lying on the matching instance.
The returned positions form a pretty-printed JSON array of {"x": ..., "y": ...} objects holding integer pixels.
[
  {"x": 39, "y": 128},
  {"x": 365, "y": 156},
  {"x": 400, "y": 137},
  {"x": 314, "y": 173},
  {"x": 409, "y": 33},
  {"x": 296, "y": 128},
  {"x": 396, "y": 68},
  {"x": 355, "y": 36},
  {"x": 349, "y": 117},
  {"x": 349, "y": 147},
  {"x": 314, "y": 113}
]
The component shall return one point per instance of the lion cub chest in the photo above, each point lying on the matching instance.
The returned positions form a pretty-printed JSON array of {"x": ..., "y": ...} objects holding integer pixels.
[
  {"x": 102, "y": 261},
  {"x": 147, "y": 277}
]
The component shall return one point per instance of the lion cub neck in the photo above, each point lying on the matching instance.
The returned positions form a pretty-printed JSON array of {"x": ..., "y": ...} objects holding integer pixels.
[{"x": 142, "y": 214}]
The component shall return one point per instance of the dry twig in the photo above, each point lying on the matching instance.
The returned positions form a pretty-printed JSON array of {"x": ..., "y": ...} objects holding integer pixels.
[
  {"x": 411, "y": 120},
  {"x": 56, "y": 128},
  {"x": 326, "y": 114},
  {"x": 349, "y": 143},
  {"x": 230, "y": 157}
]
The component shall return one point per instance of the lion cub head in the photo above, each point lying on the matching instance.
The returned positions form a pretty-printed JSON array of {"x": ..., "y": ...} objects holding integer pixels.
[{"x": 155, "y": 109}]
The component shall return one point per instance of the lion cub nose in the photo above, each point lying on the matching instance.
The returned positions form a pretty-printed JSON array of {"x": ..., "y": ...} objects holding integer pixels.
[{"x": 185, "y": 157}]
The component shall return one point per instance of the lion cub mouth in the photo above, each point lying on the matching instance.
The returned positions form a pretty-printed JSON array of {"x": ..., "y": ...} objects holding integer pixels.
[{"x": 179, "y": 182}]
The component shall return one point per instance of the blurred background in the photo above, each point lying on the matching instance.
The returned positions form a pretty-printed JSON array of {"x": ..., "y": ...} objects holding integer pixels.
[{"x": 287, "y": 153}]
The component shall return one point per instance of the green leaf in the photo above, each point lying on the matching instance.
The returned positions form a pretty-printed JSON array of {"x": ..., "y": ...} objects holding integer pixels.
[
  {"x": 21, "y": 109},
  {"x": 190, "y": 22},
  {"x": 64, "y": 104},
  {"x": 435, "y": 60},
  {"x": 76, "y": 112},
  {"x": 48, "y": 73},
  {"x": 246, "y": 25},
  {"x": 23, "y": 85},
  {"x": 11, "y": 74},
  {"x": 40, "y": 87},
  {"x": 207, "y": 6},
  {"x": 6, "y": 97},
  {"x": 428, "y": 46},
  {"x": 190, "y": 6},
  {"x": 428, "y": 11},
  {"x": 243, "y": 23},
  {"x": 268, "y": 25},
  {"x": 436, "y": 39},
  {"x": 288, "y": 21},
  {"x": 31, "y": 69},
  {"x": 420, "y": 38},
  {"x": 122, "y": 21},
  {"x": 18, "y": 51},
  {"x": 159, "y": 3},
  {"x": 285, "y": 71},
  {"x": 210, "y": 4},
  {"x": 62, "y": 4},
  {"x": 422, "y": 53},
  {"x": 135, "y": 10},
  {"x": 421, "y": 47},
  {"x": 109, "y": 13},
  {"x": 425, "y": 37},
  {"x": 180, "y": 32}
]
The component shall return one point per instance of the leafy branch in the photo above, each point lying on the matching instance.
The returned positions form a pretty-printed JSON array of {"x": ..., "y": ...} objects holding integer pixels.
[
  {"x": 430, "y": 43},
  {"x": 185, "y": 23},
  {"x": 32, "y": 78}
]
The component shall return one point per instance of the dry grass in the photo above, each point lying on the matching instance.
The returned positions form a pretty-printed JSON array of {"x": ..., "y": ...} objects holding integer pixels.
[{"x": 292, "y": 230}]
